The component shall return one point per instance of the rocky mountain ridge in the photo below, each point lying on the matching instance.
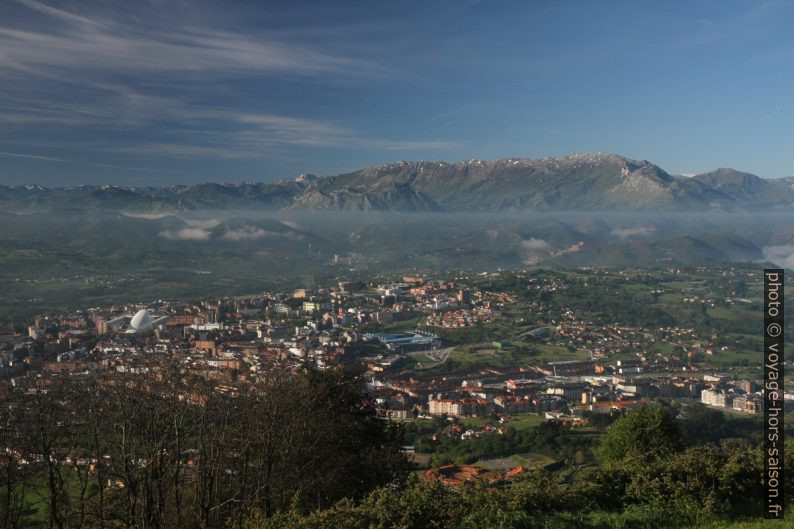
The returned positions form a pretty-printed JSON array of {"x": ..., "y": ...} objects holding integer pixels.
[{"x": 577, "y": 182}]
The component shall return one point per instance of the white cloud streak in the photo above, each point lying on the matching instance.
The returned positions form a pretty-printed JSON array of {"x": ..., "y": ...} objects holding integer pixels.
[
  {"x": 781, "y": 255},
  {"x": 55, "y": 12},
  {"x": 199, "y": 231},
  {"x": 534, "y": 244},
  {"x": 167, "y": 86},
  {"x": 33, "y": 157},
  {"x": 534, "y": 250},
  {"x": 186, "y": 234},
  {"x": 639, "y": 231},
  {"x": 252, "y": 233},
  {"x": 92, "y": 164},
  {"x": 82, "y": 43}
]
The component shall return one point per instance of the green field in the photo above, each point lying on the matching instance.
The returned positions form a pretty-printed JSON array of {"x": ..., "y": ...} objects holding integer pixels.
[
  {"x": 523, "y": 421},
  {"x": 519, "y": 421},
  {"x": 787, "y": 523},
  {"x": 529, "y": 459},
  {"x": 467, "y": 359}
]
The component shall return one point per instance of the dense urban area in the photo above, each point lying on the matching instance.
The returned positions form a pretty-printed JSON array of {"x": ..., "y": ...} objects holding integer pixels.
[{"x": 230, "y": 411}]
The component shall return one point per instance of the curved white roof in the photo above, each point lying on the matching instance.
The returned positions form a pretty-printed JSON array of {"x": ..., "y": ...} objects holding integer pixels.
[{"x": 141, "y": 321}]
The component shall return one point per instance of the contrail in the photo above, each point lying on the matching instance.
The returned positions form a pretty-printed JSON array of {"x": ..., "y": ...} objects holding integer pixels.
[{"x": 93, "y": 164}]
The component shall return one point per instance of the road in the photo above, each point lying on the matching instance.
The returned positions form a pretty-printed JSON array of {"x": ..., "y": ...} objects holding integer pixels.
[{"x": 437, "y": 355}]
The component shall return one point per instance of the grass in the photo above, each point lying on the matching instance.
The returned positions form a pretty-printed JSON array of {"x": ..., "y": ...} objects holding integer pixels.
[
  {"x": 532, "y": 459},
  {"x": 528, "y": 459},
  {"x": 497, "y": 463},
  {"x": 470, "y": 358},
  {"x": 474, "y": 422},
  {"x": 397, "y": 326},
  {"x": 665, "y": 348},
  {"x": 750, "y": 524},
  {"x": 422, "y": 359},
  {"x": 559, "y": 353},
  {"x": 671, "y": 299},
  {"x": 525, "y": 421},
  {"x": 36, "y": 496}
]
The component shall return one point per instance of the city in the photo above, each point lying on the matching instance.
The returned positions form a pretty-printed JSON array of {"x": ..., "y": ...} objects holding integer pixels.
[
  {"x": 489, "y": 351},
  {"x": 460, "y": 264}
]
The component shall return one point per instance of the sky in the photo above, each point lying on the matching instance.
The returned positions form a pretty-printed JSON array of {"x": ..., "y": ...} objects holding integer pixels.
[{"x": 150, "y": 93}]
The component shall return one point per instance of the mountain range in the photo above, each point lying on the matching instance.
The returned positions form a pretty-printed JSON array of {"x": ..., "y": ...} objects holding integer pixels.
[{"x": 577, "y": 182}]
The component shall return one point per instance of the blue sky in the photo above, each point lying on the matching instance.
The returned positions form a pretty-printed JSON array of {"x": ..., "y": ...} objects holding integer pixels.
[{"x": 177, "y": 91}]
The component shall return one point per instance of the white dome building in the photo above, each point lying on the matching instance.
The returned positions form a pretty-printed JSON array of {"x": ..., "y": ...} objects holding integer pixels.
[{"x": 142, "y": 321}]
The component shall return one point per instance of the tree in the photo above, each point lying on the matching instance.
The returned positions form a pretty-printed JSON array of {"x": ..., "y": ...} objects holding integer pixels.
[
  {"x": 705, "y": 480},
  {"x": 177, "y": 450},
  {"x": 13, "y": 478},
  {"x": 642, "y": 435}
]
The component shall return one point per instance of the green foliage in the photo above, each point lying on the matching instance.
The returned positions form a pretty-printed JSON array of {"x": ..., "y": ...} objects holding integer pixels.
[
  {"x": 703, "y": 486},
  {"x": 537, "y": 501},
  {"x": 642, "y": 435},
  {"x": 707, "y": 479},
  {"x": 600, "y": 420},
  {"x": 702, "y": 424},
  {"x": 174, "y": 452},
  {"x": 548, "y": 437}
]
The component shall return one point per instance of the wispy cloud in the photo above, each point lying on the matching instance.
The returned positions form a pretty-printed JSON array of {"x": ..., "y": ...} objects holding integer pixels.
[
  {"x": 33, "y": 157},
  {"x": 641, "y": 231},
  {"x": 408, "y": 145},
  {"x": 533, "y": 250},
  {"x": 170, "y": 89},
  {"x": 749, "y": 23},
  {"x": 54, "y": 12},
  {"x": 252, "y": 233},
  {"x": 213, "y": 132},
  {"x": 186, "y": 234},
  {"x": 106, "y": 45},
  {"x": 200, "y": 232},
  {"x": 92, "y": 164},
  {"x": 781, "y": 255}
]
